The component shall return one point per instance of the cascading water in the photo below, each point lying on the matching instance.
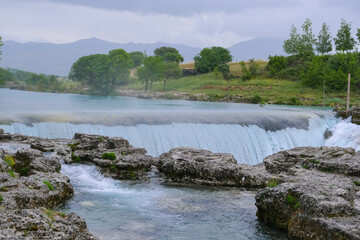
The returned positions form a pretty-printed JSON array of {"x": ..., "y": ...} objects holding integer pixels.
[
  {"x": 249, "y": 144},
  {"x": 117, "y": 209}
]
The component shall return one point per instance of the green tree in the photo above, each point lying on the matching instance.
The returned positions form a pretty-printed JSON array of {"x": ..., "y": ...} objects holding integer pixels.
[
  {"x": 119, "y": 68},
  {"x": 308, "y": 39},
  {"x": 171, "y": 71},
  {"x": 291, "y": 46},
  {"x": 93, "y": 71},
  {"x": 358, "y": 35},
  {"x": 323, "y": 44},
  {"x": 209, "y": 58},
  {"x": 152, "y": 70},
  {"x": 344, "y": 41},
  {"x": 169, "y": 54},
  {"x": 137, "y": 57},
  {"x": 225, "y": 71}
]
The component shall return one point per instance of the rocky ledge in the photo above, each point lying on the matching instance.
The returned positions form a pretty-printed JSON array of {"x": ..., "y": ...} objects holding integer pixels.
[
  {"x": 30, "y": 186},
  {"x": 313, "y": 193},
  {"x": 319, "y": 197}
]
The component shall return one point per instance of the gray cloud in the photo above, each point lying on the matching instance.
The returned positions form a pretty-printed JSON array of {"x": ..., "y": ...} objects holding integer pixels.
[{"x": 192, "y": 22}]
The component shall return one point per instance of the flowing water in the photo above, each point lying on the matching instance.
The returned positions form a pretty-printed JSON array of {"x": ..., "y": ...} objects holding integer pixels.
[{"x": 124, "y": 210}]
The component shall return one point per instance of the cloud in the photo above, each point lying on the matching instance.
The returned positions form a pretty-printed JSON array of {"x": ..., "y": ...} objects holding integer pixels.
[{"x": 190, "y": 22}]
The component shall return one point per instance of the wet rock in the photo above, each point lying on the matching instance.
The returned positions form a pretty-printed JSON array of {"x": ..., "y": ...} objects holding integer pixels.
[
  {"x": 42, "y": 224},
  {"x": 196, "y": 166},
  {"x": 319, "y": 197},
  {"x": 355, "y": 115},
  {"x": 115, "y": 156}
]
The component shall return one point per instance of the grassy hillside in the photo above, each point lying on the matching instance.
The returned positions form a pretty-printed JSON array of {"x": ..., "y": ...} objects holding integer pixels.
[{"x": 215, "y": 88}]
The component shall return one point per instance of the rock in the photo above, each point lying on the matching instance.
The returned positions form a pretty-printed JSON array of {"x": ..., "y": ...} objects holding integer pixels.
[
  {"x": 188, "y": 165},
  {"x": 355, "y": 115},
  {"x": 319, "y": 197},
  {"x": 129, "y": 163},
  {"x": 42, "y": 224}
]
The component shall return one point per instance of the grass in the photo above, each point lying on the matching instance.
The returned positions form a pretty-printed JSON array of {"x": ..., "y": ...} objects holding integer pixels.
[
  {"x": 290, "y": 199},
  {"x": 3, "y": 189},
  {"x": 269, "y": 90},
  {"x": 51, "y": 214},
  {"x": 9, "y": 160},
  {"x": 76, "y": 159},
  {"x": 272, "y": 183},
  {"x": 110, "y": 156},
  {"x": 50, "y": 186},
  {"x": 1, "y": 199},
  {"x": 72, "y": 146},
  {"x": 12, "y": 174}
]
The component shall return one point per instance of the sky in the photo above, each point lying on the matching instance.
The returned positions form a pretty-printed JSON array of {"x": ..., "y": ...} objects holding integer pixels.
[{"x": 198, "y": 23}]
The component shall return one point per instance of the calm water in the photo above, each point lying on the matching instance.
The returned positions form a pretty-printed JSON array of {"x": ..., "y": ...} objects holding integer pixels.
[{"x": 124, "y": 210}]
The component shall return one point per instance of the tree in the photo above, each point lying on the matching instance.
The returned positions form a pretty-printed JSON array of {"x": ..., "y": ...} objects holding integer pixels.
[
  {"x": 119, "y": 68},
  {"x": 169, "y": 54},
  {"x": 308, "y": 39},
  {"x": 358, "y": 35},
  {"x": 225, "y": 71},
  {"x": 171, "y": 71},
  {"x": 209, "y": 58},
  {"x": 137, "y": 58},
  {"x": 323, "y": 44},
  {"x": 152, "y": 70},
  {"x": 344, "y": 41},
  {"x": 300, "y": 44},
  {"x": 291, "y": 46}
]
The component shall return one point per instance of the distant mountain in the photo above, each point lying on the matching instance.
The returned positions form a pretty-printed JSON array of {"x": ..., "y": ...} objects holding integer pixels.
[
  {"x": 259, "y": 48},
  {"x": 57, "y": 59}
]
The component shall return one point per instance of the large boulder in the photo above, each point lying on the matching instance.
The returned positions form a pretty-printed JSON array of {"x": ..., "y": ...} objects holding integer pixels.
[
  {"x": 319, "y": 197},
  {"x": 189, "y": 165},
  {"x": 115, "y": 156}
]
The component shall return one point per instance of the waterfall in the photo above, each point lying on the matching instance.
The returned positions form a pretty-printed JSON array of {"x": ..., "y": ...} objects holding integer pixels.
[
  {"x": 345, "y": 134},
  {"x": 248, "y": 143}
]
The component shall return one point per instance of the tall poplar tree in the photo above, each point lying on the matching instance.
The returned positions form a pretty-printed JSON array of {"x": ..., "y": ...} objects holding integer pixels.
[
  {"x": 344, "y": 41},
  {"x": 323, "y": 44}
]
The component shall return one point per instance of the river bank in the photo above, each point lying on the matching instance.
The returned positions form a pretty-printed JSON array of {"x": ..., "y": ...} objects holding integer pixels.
[{"x": 284, "y": 179}]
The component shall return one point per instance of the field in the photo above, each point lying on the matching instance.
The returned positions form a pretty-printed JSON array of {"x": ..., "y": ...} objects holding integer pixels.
[{"x": 269, "y": 90}]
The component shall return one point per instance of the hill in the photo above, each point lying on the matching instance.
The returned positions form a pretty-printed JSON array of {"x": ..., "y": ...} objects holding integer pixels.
[{"x": 57, "y": 59}]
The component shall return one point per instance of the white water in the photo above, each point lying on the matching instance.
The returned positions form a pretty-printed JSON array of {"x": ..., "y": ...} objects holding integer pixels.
[
  {"x": 345, "y": 134},
  {"x": 249, "y": 143}
]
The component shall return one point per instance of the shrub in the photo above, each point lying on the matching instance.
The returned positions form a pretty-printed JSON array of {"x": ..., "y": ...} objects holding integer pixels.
[
  {"x": 256, "y": 99},
  {"x": 1, "y": 199},
  {"x": 76, "y": 159},
  {"x": 50, "y": 186},
  {"x": 297, "y": 205},
  {"x": 110, "y": 156},
  {"x": 12, "y": 174},
  {"x": 290, "y": 199},
  {"x": 357, "y": 183},
  {"x": 23, "y": 171},
  {"x": 112, "y": 168},
  {"x": 272, "y": 183},
  {"x": 9, "y": 160}
]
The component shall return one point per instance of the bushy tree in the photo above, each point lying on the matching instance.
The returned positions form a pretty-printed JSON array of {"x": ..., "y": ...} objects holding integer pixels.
[
  {"x": 171, "y": 71},
  {"x": 225, "y": 71},
  {"x": 169, "y": 54},
  {"x": 137, "y": 58},
  {"x": 209, "y": 58},
  {"x": 323, "y": 44},
  {"x": 119, "y": 68},
  {"x": 358, "y": 35},
  {"x": 344, "y": 41},
  {"x": 151, "y": 71}
]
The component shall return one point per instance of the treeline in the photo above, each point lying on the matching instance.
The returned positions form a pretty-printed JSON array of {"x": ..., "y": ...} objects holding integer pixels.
[
  {"x": 315, "y": 70},
  {"x": 36, "y": 82},
  {"x": 102, "y": 73}
]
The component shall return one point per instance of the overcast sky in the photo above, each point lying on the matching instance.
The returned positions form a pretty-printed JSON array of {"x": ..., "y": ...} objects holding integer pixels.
[{"x": 198, "y": 23}]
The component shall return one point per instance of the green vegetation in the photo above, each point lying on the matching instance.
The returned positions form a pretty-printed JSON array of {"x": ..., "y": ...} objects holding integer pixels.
[
  {"x": 357, "y": 183},
  {"x": 290, "y": 199},
  {"x": 9, "y": 160},
  {"x": 210, "y": 58},
  {"x": 272, "y": 183},
  {"x": 12, "y": 174},
  {"x": 50, "y": 186},
  {"x": 1, "y": 199},
  {"x": 112, "y": 168},
  {"x": 297, "y": 205},
  {"x": 110, "y": 156},
  {"x": 51, "y": 214},
  {"x": 72, "y": 146},
  {"x": 123, "y": 153},
  {"x": 76, "y": 159},
  {"x": 3, "y": 189},
  {"x": 23, "y": 171}
]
